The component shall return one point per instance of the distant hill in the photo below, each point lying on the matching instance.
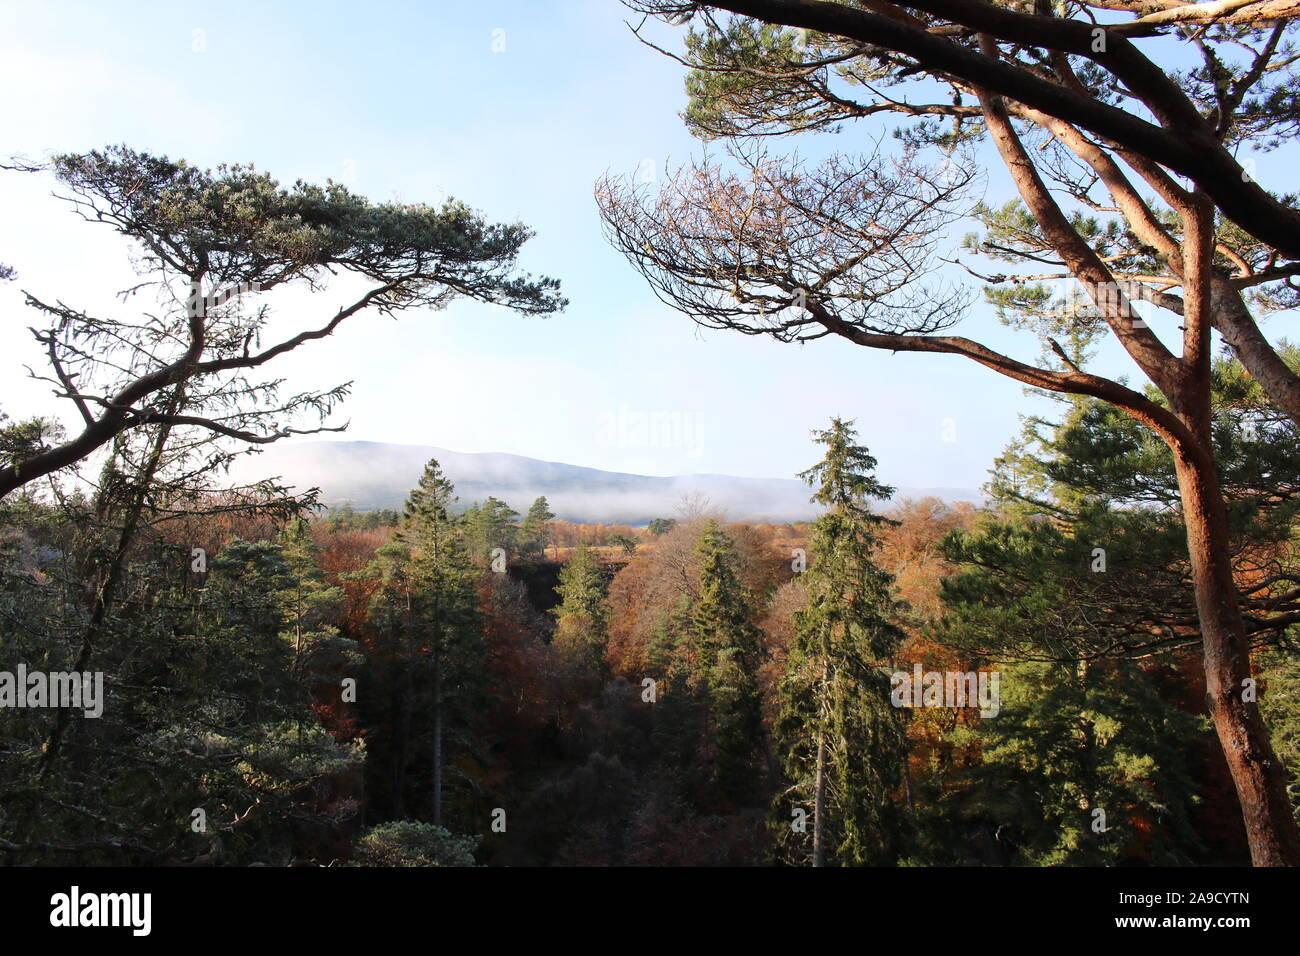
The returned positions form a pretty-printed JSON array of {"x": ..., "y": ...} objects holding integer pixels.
[{"x": 371, "y": 475}]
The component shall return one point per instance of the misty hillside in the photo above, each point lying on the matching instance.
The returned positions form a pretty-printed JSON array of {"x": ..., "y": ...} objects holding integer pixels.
[{"x": 379, "y": 475}]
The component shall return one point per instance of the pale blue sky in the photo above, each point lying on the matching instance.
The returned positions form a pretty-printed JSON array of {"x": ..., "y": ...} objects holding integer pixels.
[{"x": 410, "y": 101}]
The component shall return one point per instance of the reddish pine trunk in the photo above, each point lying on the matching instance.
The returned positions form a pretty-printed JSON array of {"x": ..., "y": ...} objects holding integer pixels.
[{"x": 1256, "y": 771}]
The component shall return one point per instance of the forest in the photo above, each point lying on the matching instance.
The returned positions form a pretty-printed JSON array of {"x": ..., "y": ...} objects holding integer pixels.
[
  {"x": 1094, "y": 665},
  {"x": 458, "y": 685}
]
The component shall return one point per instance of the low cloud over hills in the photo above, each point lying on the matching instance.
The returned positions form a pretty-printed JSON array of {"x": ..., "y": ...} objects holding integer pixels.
[{"x": 377, "y": 475}]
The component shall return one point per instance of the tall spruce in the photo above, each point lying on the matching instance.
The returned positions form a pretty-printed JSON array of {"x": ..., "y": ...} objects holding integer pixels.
[
  {"x": 844, "y": 743},
  {"x": 428, "y": 596},
  {"x": 727, "y": 647}
]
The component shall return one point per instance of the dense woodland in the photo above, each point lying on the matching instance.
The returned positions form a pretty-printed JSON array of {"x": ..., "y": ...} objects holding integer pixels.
[
  {"x": 479, "y": 683},
  {"x": 364, "y": 687}
]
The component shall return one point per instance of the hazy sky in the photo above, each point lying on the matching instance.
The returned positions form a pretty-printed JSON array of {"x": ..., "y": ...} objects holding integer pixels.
[{"x": 411, "y": 101}]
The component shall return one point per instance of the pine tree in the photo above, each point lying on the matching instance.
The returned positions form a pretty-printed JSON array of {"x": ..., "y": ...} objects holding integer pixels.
[
  {"x": 536, "y": 531},
  {"x": 489, "y": 526},
  {"x": 427, "y": 521},
  {"x": 844, "y": 742},
  {"x": 1085, "y": 765},
  {"x": 1280, "y": 701},
  {"x": 726, "y": 645}
]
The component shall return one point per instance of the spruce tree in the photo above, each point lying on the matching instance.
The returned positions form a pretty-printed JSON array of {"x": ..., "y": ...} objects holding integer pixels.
[
  {"x": 727, "y": 647},
  {"x": 428, "y": 595},
  {"x": 844, "y": 742}
]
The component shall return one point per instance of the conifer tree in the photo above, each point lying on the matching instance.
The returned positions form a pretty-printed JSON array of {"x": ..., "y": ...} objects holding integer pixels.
[
  {"x": 678, "y": 709},
  {"x": 582, "y": 626},
  {"x": 208, "y": 241},
  {"x": 536, "y": 531},
  {"x": 727, "y": 648},
  {"x": 311, "y": 602},
  {"x": 843, "y": 741},
  {"x": 487, "y": 526},
  {"x": 1085, "y": 765},
  {"x": 428, "y": 596}
]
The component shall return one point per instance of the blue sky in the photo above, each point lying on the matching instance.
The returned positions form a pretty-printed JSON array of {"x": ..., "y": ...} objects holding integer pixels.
[{"x": 411, "y": 101}]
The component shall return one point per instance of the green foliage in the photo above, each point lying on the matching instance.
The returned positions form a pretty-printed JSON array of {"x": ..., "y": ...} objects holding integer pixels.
[
  {"x": 724, "y": 102},
  {"x": 344, "y": 518},
  {"x": 727, "y": 648},
  {"x": 1030, "y": 588},
  {"x": 1071, "y": 740},
  {"x": 412, "y": 843},
  {"x": 489, "y": 526},
  {"x": 625, "y": 542},
  {"x": 21, "y": 440},
  {"x": 313, "y": 604},
  {"x": 535, "y": 534},
  {"x": 206, "y": 241},
  {"x": 660, "y": 526},
  {"x": 1089, "y": 554},
  {"x": 428, "y": 682},
  {"x": 204, "y": 708},
  {"x": 236, "y": 224},
  {"x": 1085, "y": 566},
  {"x": 582, "y": 626},
  {"x": 1279, "y": 700},
  {"x": 839, "y": 732}
]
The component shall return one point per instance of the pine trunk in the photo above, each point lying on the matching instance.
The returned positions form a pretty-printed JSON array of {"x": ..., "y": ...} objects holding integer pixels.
[{"x": 1256, "y": 772}]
